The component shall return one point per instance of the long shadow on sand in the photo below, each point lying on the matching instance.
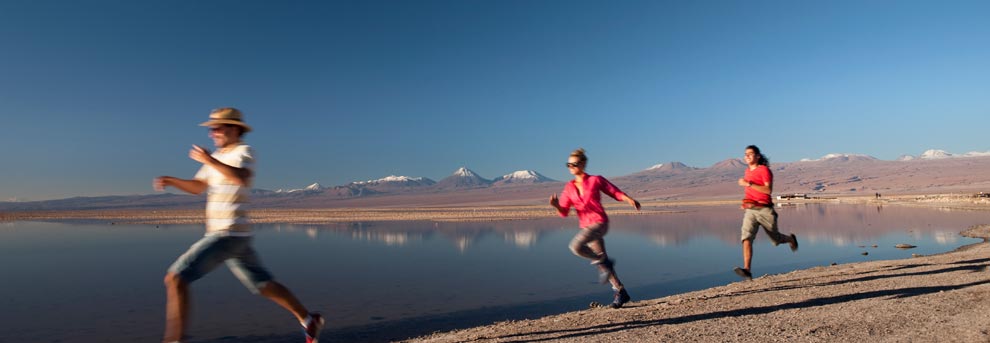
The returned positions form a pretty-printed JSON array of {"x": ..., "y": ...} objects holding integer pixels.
[
  {"x": 891, "y": 293},
  {"x": 971, "y": 268},
  {"x": 413, "y": 327},
  {"x": 979, "y": 260}
]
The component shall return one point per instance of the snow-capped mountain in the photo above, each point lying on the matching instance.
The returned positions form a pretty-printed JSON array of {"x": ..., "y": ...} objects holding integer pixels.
[
  {"x": 393, "y": 183},
  {"x": 463, "y": 171},
  {"x": 393, "y": 179},
  {"x": 463, "y": 178},
  {"x": 934, "y": 154},
  {"x": 976, "y": 154},
  {"x": 841, "y": 157},
  {"x": 661, "y": 171},
  {"x": 522, "y": 177},
  {"x": 937, "y": 154},
  {"x": 315, "y": 187},
  {"x": 670, "y": 167}
]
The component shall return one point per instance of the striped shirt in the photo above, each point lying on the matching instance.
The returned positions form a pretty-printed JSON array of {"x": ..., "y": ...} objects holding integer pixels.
[{"x": 226, "y": 214}]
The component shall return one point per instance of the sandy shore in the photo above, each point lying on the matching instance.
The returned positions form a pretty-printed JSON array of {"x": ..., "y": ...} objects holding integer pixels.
[{"x": 938, "y": 298}]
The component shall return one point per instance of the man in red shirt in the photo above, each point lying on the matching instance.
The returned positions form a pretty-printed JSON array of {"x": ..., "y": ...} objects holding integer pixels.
[{"x": 758, "y": 207}]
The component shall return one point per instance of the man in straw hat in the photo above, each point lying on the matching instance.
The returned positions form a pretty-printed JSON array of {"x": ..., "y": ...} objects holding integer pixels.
[{"x": 226, "y": 176}]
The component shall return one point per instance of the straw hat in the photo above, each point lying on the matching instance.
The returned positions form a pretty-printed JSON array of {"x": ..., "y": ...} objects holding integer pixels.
[{"x": 226, "y": 115}]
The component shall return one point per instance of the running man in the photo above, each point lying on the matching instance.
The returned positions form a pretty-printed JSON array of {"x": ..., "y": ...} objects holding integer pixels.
[
  {"x": 226, "y": 176},
  {"x": 584, "y": 194},
  {"x": 758, "y": 207}
]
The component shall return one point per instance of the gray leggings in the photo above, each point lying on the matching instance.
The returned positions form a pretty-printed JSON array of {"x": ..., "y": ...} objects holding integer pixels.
[{"x": 590, "y": 242}]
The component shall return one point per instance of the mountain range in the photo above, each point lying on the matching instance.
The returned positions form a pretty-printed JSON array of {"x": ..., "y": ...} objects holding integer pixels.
[
  {"x": 934, "y": 171},
  {"x": 463, "y": 178}
]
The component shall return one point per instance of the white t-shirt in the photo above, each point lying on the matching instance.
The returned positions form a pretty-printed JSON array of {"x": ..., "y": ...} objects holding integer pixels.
[{"x": 225, "y": 200}]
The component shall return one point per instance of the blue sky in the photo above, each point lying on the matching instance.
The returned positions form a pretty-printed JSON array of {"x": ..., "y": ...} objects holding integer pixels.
[{"x": 99, "y": 97}]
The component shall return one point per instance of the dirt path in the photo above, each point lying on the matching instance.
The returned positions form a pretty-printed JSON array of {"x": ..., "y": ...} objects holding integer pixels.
[{"x": 936, "y": 298}]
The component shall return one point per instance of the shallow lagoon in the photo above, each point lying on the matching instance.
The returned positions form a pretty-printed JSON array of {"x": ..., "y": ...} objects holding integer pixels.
[{"x": 90, "y": 282}]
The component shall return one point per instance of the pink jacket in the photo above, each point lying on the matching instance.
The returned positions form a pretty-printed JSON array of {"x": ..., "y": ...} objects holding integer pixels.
[{"x": 589, "y": 205}]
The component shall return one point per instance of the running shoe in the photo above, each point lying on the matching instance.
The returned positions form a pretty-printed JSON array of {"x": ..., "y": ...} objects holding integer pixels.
[
  {"x": 743, "y": 273},
  {"x": 621, "y": 297},
  {"x": 313, "y": 327}
]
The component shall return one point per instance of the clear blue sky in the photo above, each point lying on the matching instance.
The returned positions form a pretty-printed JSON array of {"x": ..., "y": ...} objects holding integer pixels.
[{"x": 99, "y": 97}]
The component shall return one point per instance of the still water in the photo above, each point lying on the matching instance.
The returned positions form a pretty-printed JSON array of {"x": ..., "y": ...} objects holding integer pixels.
[{"x": 96, "y": 282}]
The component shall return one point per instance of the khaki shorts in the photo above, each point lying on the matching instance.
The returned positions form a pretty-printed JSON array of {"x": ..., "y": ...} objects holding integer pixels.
[{"x": 761, "y": 216}]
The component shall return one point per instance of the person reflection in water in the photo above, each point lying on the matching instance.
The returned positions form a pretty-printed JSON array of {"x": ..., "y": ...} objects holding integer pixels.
[{"x": 584, "y": 194}]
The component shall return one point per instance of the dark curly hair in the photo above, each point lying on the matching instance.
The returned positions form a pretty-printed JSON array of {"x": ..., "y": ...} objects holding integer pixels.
[{"x": 763, "y": 160}]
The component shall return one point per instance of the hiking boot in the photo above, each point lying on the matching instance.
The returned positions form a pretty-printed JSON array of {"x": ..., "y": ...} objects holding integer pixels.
[
  {"x": 743, "y": 273},
  {"x": 605, "y": 269},
  {"x": 793, "y": 243},
  {"x": 621, "y": 297},
  {"x": 313, "y": 327}
]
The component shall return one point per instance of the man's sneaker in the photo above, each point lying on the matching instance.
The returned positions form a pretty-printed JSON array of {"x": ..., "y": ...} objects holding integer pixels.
[
  {"x": 606, "y": 269},
  {"x": 312, "y": 328},
  {"x": 621, "y": 297},
  {"x": 743, "y": 273},
  {"x": 793, "y": 243}
]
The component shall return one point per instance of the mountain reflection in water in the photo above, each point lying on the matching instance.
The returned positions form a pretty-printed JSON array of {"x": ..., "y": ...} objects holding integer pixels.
[{"x": 840, "y": 225}]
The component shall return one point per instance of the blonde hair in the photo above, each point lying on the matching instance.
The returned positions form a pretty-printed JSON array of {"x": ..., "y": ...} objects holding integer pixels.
[{"x": 579, "y": 153}]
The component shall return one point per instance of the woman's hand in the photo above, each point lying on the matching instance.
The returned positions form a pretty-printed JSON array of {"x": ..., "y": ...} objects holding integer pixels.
[{"x": 633, "y": 203}]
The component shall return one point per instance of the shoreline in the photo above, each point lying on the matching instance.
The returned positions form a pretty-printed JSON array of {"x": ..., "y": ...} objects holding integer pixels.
[
  {"x": 478, "y": 213},
  {"x": 920, "y": 299}
]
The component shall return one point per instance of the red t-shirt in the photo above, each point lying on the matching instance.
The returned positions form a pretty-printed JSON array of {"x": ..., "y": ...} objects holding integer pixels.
[{"x": 759, "y": 176}]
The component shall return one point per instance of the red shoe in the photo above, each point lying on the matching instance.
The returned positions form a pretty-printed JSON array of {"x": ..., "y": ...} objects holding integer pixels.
[{"x": 313, "y": 327}]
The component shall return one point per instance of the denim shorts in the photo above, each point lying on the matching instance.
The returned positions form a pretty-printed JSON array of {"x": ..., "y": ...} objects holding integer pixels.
[{"x": 210, "y": 251}]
